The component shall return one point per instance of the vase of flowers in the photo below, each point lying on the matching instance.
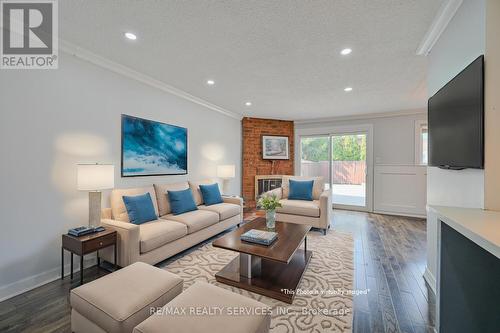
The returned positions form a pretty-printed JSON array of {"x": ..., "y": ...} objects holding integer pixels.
[{"x": 269, "y": 203}]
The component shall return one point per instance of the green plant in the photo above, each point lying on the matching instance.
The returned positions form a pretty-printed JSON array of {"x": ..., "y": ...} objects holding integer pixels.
[{"x": 269, "y": 202}]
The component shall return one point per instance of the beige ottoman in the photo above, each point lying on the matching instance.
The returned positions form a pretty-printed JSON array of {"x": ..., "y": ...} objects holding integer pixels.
[
  {"x": 207, "y": 308},
  {"x": 119, "y": 301}
]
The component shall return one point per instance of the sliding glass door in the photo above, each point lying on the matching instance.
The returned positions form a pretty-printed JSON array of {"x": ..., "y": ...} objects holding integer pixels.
[
  {"x": 315, "y": 157},
  {"x": 341, "y": 159},
  {"x": 349, "y": 169}
]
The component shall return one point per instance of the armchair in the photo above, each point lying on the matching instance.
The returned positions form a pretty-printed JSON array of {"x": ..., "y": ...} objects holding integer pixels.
[{"x": 316, "y": 213}]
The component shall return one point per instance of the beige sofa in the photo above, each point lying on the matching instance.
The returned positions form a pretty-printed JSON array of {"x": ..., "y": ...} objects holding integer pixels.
[
  {"x": 316, "y": 213},
  {"x": 155, "y": 241}
]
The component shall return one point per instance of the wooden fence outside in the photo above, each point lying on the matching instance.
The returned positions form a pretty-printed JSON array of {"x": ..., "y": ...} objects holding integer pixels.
[{"x": 343, "y": 172}]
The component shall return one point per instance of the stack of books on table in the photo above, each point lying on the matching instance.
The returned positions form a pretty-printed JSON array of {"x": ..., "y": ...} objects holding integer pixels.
[
  {"x": 82, "y": 231},
  {"x": 259, "y": 237}
]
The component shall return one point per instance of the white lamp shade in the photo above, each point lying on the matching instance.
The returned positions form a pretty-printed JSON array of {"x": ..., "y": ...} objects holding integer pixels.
[
  {"x": 95, "y": 177},
  {"x": 226, "y": 171}
]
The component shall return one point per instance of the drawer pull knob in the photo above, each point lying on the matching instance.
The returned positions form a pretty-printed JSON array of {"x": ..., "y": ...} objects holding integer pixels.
[{"x": 100, "y": 243}]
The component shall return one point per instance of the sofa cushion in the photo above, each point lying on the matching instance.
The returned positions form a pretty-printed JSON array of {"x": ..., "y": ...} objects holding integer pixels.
[
  {"x": 118, "y": 206},
  {"x": 299, "y": 207},
  {"x": 140, "y": 208},
  {"x": 157, "y": 233},
  {"x": 181, "y": 201},
  {"x": 211, "y": 194},
  {"x": 202, "y": 295},
  {"x": 195, "y": 187},
  {"x": 318, "y": 186},
  {"x": 119, "y": 301},
  {"x": 195, "y": 220},
  {"x": 162, "y": 195},
  {"x": 300, "y": 189},
  {"x": 225, "y": 210}
]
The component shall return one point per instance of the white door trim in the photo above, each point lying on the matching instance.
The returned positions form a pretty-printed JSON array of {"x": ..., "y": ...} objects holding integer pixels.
[
  {"x": 336, "y": 130},
  {"x": 418, "y": 143}
]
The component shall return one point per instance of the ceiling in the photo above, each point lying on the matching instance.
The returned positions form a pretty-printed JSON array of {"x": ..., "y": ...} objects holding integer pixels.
[{"x": 283, "y": 56}]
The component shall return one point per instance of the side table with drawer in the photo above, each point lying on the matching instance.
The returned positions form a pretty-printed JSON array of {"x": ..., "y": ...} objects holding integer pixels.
[{"x": 87, "y": 244}]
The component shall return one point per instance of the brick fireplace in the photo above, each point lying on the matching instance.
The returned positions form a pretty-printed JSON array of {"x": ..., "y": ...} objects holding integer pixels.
[{"x": 253, "y": 129}]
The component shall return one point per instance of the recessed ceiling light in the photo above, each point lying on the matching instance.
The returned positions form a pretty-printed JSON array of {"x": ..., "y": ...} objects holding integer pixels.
[
  {"x": 210, "y": 82},
  {"x": 130, "y": 36},
  {"x": 347, "y": 89},
  {"x": 346, "y": 51},
  {"x": 248, "y": 103}
]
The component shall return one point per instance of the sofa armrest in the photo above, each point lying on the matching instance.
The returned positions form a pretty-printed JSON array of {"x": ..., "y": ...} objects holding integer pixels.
[
  {"x": 233, "y": 200},
  {"x": 325, "y": 208},
  {"x": 106, "y": 213},
  {"x": 278, "y": 192},
  {"x": 127, "y": 242}
]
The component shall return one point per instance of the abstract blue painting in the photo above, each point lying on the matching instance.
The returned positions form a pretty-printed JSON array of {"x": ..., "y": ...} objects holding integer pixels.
[{"x": 151, "y": 148}]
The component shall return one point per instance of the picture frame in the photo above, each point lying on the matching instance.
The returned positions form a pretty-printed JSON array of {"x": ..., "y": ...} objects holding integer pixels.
[
  {"x": 146, "y": 152},
  {"x": 275, "y": 147}
]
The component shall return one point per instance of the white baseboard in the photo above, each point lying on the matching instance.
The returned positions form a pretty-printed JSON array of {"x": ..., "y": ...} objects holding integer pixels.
[
  {"x": 430, "y": 279},
  {"x": 32, "y": 282},
  {"x": 400, "y": 214}
]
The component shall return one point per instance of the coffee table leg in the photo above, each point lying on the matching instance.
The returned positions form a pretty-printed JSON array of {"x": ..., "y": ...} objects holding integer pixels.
[
  {"x": 305, "y": 248},
  {"x": 115, "y": 253},
  {"x": 250, "y": 266},
  {"x": 81, "y": 269},
  {"x": 62, "y": 263}
]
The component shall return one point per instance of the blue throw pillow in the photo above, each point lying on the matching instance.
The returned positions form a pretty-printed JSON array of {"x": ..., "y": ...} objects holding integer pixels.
[
  {"x": 211, "y": 194},
  {"x": 181, "y": 201},
  {"x": 301, "y": 190},
  {"x": 140, "y": 208}
]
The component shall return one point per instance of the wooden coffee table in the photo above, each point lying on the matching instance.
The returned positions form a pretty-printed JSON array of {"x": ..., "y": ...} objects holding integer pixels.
[{"x": 274, "y": 271}]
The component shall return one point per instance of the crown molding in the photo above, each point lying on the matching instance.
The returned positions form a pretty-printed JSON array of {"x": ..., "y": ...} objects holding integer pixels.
[
  {"x": 440, "y": 22},
  {"x": 364, "y": 116},
  {"x": 103, "y": 62}
]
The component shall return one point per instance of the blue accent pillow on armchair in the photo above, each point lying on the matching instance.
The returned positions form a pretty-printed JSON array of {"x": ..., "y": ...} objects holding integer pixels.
[
  {"x": 211, "y": 194},
  {"x": 140, "y": 208},
  {"x": 301, "y": 190},
  {"x": 181, "y": 201}
]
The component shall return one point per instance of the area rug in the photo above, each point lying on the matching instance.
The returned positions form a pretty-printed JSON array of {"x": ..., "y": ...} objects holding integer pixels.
[{"x": 324, "y": 303}]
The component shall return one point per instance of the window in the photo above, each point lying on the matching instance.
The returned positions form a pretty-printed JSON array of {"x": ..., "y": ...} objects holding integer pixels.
[{"x": 421, "y": 142}]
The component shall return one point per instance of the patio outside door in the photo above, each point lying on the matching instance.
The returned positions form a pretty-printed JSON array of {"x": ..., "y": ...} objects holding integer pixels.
[
  {"x": 349, "y": 170},
  {"x": 341, "y": 158}
]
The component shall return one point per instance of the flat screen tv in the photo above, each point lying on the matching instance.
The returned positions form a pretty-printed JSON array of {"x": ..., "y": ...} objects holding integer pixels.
[{"x": 456, "y": 121}]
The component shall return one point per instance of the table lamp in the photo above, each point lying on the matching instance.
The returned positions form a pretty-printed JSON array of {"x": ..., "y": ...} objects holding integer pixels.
[
  {"x": 225, "y": 172},
  {"x": 94, "y": 178}
]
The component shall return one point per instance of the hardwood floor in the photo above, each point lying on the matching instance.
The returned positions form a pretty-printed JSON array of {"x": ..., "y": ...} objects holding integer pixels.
[
  {"x": 390, "y": 254},
  {"x": 389, "y": 259},
  {"x": 44, "y": 309}
]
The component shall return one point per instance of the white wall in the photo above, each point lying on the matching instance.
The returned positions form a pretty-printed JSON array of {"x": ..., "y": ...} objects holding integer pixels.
[
  {"x": 394, "y": 160},
  {"x": 400, "y": 189},
  {"x": 50, "y": 121},
  {"x": 462, "y": 41},
  {"x": 491, "y": 107}
]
